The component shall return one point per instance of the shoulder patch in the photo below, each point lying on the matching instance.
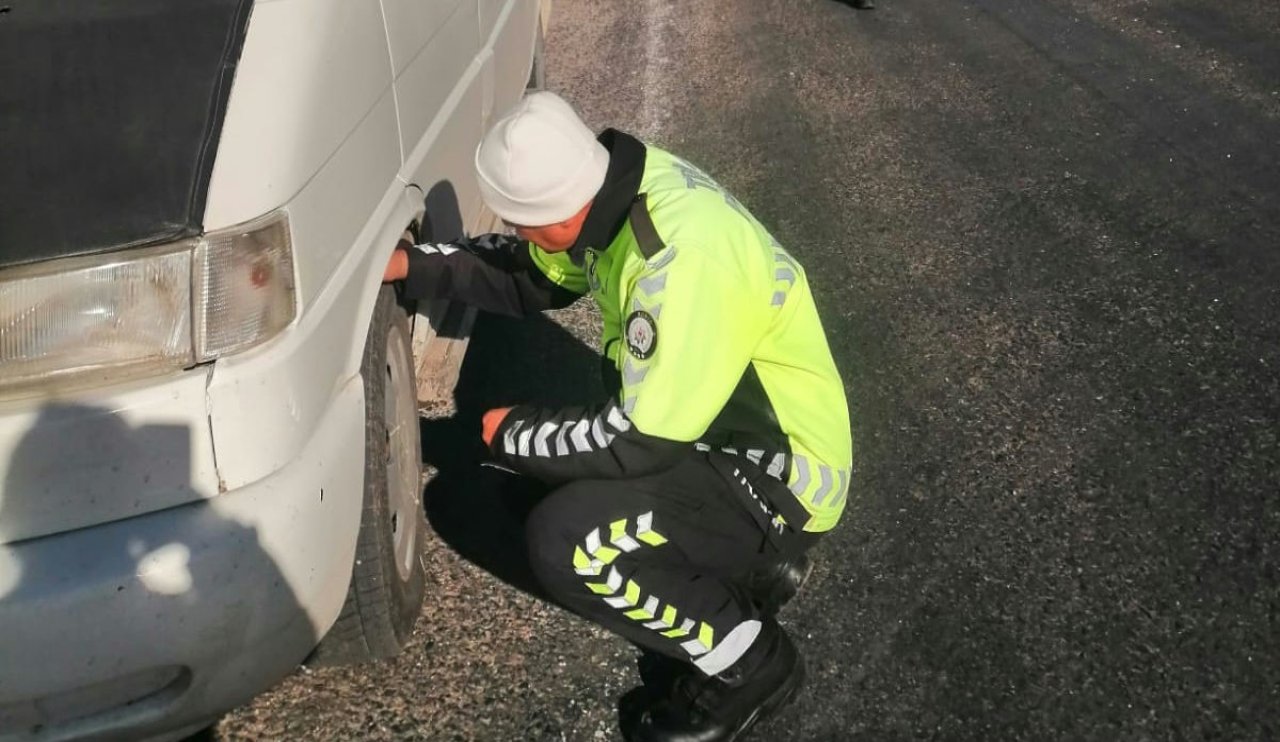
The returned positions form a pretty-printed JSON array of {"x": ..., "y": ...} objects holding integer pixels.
[{"x": 642, "y": 334}]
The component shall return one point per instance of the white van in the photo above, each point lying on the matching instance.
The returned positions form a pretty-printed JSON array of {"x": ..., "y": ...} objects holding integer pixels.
[{"x": 209, "y": 454}]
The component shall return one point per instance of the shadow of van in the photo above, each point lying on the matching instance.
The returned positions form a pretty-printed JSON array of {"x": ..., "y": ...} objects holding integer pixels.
[{"x": 142, "y": 624}]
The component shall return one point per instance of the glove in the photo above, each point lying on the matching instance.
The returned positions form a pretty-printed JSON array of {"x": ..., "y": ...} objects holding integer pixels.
[
  {"x": 490, "y": 422},
  {"x": 398, "y": 264}
]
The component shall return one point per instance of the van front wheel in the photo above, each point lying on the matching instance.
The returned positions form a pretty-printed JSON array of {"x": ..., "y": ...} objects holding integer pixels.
[{"x": 387, "y": 579}]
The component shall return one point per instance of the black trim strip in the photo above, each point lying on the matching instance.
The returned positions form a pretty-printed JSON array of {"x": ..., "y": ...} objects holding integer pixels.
[
  {"x": 236, "y": 34},
  {"x": 642, "y": 225}
]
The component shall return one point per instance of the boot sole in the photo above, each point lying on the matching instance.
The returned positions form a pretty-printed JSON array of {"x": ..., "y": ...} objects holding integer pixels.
[{"x": 779, "y": 700}]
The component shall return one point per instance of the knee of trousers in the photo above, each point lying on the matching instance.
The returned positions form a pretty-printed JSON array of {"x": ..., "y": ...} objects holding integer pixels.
[{"x": 556, "y": 526}]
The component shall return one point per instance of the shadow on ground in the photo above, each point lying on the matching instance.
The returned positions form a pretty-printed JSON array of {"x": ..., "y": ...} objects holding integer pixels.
[{"x": 480, "y": 511}]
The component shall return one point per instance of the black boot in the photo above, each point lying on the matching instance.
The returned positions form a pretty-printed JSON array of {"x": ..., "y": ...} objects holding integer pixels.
[
  {"x": 659, "y": 674},
  {"x": 723, "y": 708},
  {"x": 773, "y": 587}
]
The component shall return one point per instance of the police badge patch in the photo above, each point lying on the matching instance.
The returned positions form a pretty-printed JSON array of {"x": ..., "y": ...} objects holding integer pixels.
[{"x": 642, "y": 334}]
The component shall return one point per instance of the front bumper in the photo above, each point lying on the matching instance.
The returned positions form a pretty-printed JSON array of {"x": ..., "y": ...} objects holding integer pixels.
[{"x": 145, "y": 625}]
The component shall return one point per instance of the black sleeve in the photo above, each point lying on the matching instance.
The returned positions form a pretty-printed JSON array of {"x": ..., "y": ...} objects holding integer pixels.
[
  {"x": 610, "y": 376},
  {"x": 491, "y": 272},
  {"x": 571, "y": 443}
]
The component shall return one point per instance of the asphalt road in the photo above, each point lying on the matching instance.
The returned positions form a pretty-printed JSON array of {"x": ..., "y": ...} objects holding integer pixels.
[{"x": 1044, "y": 237}]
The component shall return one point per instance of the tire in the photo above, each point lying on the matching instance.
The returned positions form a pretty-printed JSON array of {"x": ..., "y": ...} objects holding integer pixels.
[{"x": 387, "y": 580}]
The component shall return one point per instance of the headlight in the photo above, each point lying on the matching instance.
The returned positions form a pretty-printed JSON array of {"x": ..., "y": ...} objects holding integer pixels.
[
  {"x": 94, "y": 319},
  {"x": 87, "y": 321}
]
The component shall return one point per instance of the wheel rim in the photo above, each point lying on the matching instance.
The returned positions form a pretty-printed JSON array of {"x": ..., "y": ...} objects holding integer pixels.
[{"x": 400, "y": 416}]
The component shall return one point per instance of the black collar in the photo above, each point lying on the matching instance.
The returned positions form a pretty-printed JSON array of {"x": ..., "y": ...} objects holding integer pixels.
[{"x": 621, "y": 184}]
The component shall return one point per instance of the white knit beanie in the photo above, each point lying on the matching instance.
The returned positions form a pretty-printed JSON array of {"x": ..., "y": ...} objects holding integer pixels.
[{"x": 540, "y": 164}]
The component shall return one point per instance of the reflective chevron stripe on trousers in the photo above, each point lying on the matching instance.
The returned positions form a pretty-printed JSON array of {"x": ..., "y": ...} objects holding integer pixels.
[{"x": 660, "y": 560}]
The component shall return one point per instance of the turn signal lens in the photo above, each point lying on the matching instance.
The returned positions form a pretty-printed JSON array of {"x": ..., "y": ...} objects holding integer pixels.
[{"x": 243, "y": 287}]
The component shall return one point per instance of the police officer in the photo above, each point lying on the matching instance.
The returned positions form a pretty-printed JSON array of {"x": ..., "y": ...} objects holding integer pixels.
[{"x": 682, "y": 505}]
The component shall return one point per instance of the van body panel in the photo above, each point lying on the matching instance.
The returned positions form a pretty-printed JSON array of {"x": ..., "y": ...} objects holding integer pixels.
[
  {"x": 435, "y": 69},
  {"x": 310, "y": 72},
  {"x": 511, "y": 40},
  {"x": 412, "y": 24},
  {"x": 264, "y": 404},
  {"x": 109, "y": 454}
]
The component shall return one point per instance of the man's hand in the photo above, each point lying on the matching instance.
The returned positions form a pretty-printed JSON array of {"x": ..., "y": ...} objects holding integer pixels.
[
  {"x": 397, "y": 267},
  {"x": 490, "y": 422}
]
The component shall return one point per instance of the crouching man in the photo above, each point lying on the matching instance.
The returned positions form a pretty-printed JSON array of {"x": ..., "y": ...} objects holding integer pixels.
[{"x": 681, "y": 506}]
